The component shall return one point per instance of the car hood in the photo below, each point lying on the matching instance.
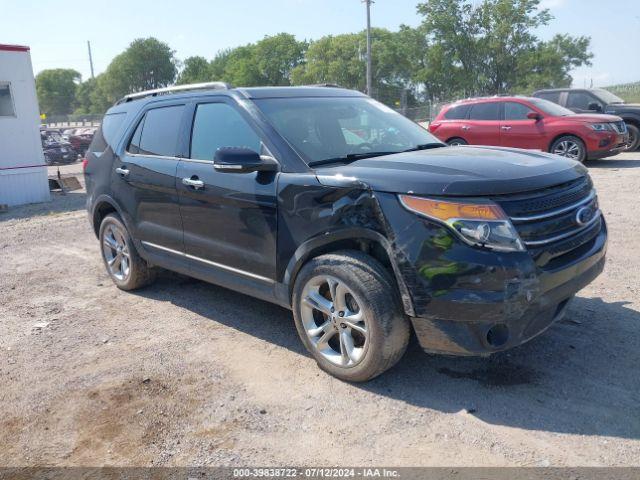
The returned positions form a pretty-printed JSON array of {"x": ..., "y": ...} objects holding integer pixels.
[
  {"x": 459, "y": 171},
  {"x": 622, "y": 107},
  {"x": 592, "y": 118}
]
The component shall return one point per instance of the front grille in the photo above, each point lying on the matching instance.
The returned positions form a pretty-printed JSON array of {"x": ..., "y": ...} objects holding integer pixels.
[
  {"x": 619, "y": 127},
  {"x": 547, "y": 220}
]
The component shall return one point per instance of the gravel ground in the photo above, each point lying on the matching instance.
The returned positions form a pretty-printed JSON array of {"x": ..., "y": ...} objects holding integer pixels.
[{"x": 187, "y": 373}]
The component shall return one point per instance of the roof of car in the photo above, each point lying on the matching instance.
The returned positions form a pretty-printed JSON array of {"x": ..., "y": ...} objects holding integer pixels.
[
  {"x": 304, "y": 91},
  {"x": 138, "y": 100},
  {"x": 497, "y": 98},
  {"x": 566, "y": 89}
]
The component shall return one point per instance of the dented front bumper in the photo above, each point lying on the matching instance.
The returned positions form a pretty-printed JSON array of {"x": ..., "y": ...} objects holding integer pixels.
[{"x": 471, "y": 301}]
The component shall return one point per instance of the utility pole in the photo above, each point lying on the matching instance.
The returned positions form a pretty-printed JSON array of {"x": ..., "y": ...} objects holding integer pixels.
[
  {"x": 369, "y": 80},
  {"x": 90, "y": 58}
]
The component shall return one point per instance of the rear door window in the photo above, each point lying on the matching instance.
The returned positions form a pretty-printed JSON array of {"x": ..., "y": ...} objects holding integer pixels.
[
  {"x": 459, "y": 112},
  {"x": 107, "y": 134},
  {"x": 158, "y": 132},
  {"x": 551, "y": 96},
  {"x": 485, "y": 111}
]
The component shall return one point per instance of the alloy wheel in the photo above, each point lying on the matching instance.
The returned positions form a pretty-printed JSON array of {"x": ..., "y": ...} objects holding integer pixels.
[
  {"x": 333, "y": 321},
  {"x": 116, "y": 252},
  {"x": 568, "y": 149}
]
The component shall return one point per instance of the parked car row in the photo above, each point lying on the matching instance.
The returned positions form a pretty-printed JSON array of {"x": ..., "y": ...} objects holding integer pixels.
[
  {"x": 56, "y": 149},
  {"x": 532, "y": 123},
  {"x": 597, "y": 100},
  {"x": 65, "y": 145},
  {"x": 80, "y": 138}
]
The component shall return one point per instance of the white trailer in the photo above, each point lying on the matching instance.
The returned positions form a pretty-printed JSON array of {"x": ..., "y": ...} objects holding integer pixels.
[{"x": 23, "y": 173}]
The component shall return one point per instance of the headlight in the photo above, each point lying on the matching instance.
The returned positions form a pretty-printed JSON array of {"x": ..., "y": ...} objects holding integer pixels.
[
  {"x": 482, "y": 224},
  {"x": 600, "y": 127}
]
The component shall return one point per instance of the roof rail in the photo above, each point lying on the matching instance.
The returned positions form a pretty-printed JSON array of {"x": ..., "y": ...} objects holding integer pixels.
[{"x": 174, "y": 89}]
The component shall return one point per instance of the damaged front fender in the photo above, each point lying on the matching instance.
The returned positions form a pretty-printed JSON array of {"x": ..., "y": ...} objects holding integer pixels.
[{"x": 316, "y": 216}]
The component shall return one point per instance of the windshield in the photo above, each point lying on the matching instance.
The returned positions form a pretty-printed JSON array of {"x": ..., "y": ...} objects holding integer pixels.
[
  {"x": 606, "y": 96},
  {"x": 328, "y": 128},
  {"x": 550, "y": 108}
]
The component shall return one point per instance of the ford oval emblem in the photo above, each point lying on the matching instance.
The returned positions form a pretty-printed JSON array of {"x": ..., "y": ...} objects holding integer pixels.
[{"x": 584, "y": 215}]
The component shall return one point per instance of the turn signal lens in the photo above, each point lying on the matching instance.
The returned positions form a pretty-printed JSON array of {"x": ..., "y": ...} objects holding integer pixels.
[{"x": 444, "y": 210}]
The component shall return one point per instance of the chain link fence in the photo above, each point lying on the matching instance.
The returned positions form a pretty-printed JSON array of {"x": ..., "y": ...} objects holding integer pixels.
[{"x": 71, "y": 121}]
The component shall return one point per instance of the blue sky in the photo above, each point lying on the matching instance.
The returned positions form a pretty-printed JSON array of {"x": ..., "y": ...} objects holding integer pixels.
[{"x": 57, "y": 31}]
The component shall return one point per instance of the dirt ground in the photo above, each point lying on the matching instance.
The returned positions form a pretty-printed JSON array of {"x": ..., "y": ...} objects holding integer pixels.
[{"x": 187, "y": 373}]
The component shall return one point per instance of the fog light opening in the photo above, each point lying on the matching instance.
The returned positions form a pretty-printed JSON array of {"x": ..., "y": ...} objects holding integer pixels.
[{"x": 498, "y": 335}]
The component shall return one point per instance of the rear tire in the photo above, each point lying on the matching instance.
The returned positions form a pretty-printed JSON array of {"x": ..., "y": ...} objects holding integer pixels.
[
  {"x": 454, "y": 142},
  {"x": 124, "y": 265},
  {"x": 367, "y": 332},
  {"x": 570, "y": 147},
  {"x": 634, "y": 138}
]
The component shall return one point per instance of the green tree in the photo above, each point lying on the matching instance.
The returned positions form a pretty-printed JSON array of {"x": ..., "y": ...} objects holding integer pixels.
[
  {"x": 83, "y": 103},
  {"x": 490, "y": 47},
  {"x": 196, "y": 70},
  {"x": 548, "y": 65},
  {"x": 341, "y": 59},
  {"x": 335, "y": 59},
  {"x": 56, "y": 89},
  {"x": 147, "y": 64},
  {"x": 100, "y": 100},
  {"x": 241, "y": 67},
  {"x": 270, "y": 61},
  {"x": 277, "y": 56}
]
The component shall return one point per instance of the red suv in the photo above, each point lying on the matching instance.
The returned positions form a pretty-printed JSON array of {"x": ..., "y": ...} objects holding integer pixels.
[{"x": 531, "y": 123}]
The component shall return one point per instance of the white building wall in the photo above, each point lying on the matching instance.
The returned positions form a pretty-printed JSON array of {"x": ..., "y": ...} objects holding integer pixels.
[{"x": 23, "y": 174}]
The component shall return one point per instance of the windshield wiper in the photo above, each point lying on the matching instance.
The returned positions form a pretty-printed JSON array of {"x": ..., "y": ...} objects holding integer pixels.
[
  {"x": 425, "y": 146},
  {"x": 350, "y": 157},
  {"x": 358, "y": 156}
]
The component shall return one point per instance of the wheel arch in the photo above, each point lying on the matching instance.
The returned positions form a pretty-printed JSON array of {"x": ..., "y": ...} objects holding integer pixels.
[
  {"x": 453, "y": 137},
  {"x": 565, "y": 134},
  {"x": 103, "y": 206},
  {"x": 631, "y": 119},
  {"x": 368, "y": 241}
]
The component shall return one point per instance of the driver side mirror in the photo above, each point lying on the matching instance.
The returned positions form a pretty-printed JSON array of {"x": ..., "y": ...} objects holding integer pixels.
[
  {"x": 596, "y": 107},
  {"x": 534, "y": 116},
  {"x": 242, "y": 160}
]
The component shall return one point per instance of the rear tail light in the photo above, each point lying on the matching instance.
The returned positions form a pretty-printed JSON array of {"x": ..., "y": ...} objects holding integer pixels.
[
  {"x": 85, "y": 162},
  {"x": 433, "y": 127}
]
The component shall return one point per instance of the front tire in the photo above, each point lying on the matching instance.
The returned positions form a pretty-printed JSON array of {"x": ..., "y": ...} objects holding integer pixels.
[
  {"x": 348, "y": 315},
  {"x": 456, "y": 142},
  {"x": 571, "y": 147},
  {"x": 121, "y": 259},
  {"x": 634, "y": 137}
]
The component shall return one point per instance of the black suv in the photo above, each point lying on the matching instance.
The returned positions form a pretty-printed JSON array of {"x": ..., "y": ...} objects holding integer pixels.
[
  {"x": 597, "y": 100},
  {"x": 329, "y": 203}
]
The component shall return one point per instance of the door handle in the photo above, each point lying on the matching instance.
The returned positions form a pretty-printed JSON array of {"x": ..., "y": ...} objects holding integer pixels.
[
  {"x": 466, "y": 127},
  {"x": 193, "y": 182},
  {"x": 122, "y": 171},
  {"x": 506, "y": 127}
]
